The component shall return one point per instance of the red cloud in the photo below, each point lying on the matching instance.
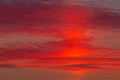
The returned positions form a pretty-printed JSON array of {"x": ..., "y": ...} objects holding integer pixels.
[{"x": 68, "y": 23}]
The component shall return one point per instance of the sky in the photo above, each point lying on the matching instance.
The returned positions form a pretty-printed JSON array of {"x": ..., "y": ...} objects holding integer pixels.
[{"x": 59, "y": 39}]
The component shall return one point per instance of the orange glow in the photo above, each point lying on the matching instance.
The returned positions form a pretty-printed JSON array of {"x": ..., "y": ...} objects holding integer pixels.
[
  {"x": 74, "y": 38},
  {"x": 76, "y": 51}
]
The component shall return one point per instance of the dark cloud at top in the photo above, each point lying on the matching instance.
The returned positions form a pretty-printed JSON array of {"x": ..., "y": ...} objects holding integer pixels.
[{"x": 25, "y": 19}]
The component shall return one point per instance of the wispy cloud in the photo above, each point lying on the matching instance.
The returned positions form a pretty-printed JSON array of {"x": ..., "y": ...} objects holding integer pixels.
[{"x": 54, "y": 35}]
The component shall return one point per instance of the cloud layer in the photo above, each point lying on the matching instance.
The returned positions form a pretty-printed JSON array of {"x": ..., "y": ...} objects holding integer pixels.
[{"x": 59, "y": 36}]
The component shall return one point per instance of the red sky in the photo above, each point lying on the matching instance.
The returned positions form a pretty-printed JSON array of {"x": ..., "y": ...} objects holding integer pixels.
[{"x": 59, "y": 36}]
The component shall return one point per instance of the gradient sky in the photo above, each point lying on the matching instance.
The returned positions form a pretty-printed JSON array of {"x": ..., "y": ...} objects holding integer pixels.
[{"x": 59, "y": 39}]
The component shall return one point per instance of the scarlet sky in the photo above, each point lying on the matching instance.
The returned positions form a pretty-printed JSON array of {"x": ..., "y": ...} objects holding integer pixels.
[{"x": 59, "y": 35}]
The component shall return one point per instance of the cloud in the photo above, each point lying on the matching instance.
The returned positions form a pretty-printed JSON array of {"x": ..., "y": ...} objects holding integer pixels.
[
  {"x": 8, "y": 66},
  {"x": 32, "y": 20},
  {"x": 53, "y": 35}
]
